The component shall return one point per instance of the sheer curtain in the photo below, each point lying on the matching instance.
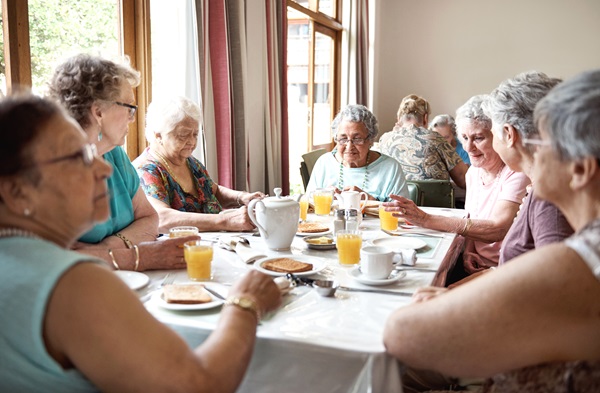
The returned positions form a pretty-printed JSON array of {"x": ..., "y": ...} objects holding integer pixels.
[{"x": 241, "y": 48}]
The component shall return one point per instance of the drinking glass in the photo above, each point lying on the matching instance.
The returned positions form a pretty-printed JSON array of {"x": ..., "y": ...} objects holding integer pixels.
[
  {"x": 322, "y": 198},
  {"x": 303, "y": 207},
  {"x": 348, "y": 246},
  {"x": 198, "y": 256},
  {"x": 387, "y": 221},
  {"x": 183, "y": 231}
]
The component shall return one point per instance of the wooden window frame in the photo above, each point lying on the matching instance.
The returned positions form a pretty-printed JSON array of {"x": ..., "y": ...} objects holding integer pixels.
[{"x": 134, "y": 20}]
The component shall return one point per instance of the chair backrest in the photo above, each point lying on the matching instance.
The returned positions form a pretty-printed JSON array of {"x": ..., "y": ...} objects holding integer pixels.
[
  {"x": 414, "y": 193},
  {"x": 435, "y": 193},
  {"x": 308, "y": 162}
]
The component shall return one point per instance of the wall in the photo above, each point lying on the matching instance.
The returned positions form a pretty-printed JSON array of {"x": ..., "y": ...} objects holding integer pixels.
[{"x": 449, "y": 50}]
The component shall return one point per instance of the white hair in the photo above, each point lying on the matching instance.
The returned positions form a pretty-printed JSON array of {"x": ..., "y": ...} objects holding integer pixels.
[{"x": 165, "y": 113}]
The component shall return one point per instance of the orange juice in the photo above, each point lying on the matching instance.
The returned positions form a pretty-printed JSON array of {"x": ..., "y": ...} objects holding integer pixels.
[
  {"x": 348, "y": 246},
  {"x": 303, "y": 208},
  {"x": 323, "y": 203},
  {"x": 198, "y": 258},
  {"x": 387, "y": 221}
]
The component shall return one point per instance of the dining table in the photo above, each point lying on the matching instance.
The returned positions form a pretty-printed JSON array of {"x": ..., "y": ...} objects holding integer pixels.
[{"x": 314, "y": 343}]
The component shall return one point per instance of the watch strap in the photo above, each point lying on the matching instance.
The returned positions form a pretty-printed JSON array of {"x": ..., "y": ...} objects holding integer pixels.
[{"x": 245, "y": 303}]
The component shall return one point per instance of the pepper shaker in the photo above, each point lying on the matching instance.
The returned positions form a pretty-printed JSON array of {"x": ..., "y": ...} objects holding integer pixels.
[
  {"x": 351, "y": 219},
  {"x": 339, "y": 221}
]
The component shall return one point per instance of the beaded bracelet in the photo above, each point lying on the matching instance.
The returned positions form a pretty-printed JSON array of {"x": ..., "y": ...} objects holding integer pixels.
[{"x": 127, "y": 242}]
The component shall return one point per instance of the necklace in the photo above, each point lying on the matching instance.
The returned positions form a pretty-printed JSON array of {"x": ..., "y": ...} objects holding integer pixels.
[
  {"x": 17, "y": 232},
  {"x": 171, "y": 172},
  {"x": 340, "y": 184}
]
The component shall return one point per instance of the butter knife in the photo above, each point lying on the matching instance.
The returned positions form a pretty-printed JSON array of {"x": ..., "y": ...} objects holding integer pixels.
[
  {"x": 214, "y": 293},
  {"x": 383, "y": 291}
]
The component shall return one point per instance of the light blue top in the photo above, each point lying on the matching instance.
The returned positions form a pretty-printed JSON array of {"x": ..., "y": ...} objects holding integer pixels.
[
  {"x": 30, "y": 269},
  {"x": 384, "y": 176},
  {"x": 462, "y": 153},
  {"x": 122, "y": 185}
]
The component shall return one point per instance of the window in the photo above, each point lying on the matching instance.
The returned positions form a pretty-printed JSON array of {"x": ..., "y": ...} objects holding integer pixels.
[{"x": 312, "y": 74}]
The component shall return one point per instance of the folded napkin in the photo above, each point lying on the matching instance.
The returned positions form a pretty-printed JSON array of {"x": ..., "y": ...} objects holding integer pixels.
[{"x": 241, "y": 247}]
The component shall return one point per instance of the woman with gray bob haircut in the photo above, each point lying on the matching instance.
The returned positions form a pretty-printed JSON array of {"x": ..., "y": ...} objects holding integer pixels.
[
  {"x": 510, "y": 106},
  {"x": 177, "y": 184},
  {"x": 352, "y": 165}
]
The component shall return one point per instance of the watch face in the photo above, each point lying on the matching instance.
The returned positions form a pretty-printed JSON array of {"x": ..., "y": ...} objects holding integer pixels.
[{"x": 246, "y": 303}]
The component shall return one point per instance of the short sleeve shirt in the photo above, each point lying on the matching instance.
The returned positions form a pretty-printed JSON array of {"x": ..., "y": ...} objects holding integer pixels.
[
  {"x": 423, "y": 154},
  {"x": 157, "y": 182}
]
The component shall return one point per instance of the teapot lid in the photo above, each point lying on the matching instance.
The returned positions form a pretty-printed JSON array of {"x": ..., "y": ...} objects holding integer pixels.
[{"x": 278, "y": 198}]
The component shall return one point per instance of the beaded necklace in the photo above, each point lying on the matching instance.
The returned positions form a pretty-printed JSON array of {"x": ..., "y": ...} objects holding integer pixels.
[
  {"x": 340, "y": 184},
  {"x": 17, "y": 232},
  {"x": 171, "y": 172}
]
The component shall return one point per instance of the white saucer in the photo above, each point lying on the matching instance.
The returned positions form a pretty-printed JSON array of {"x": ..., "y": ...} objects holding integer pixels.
[
  {"x": 358, "y": 276},
  {"x": 317, "y": 263},
  {"x": 396, "y": 243},
  {"x": 134, "y": 280},
  {"x": 159, "y": 301}
]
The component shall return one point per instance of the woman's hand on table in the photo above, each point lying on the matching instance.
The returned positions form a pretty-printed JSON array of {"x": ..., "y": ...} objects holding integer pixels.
[
  {"x": 163, "y": 254},
  {"x": 259, "y": 287},
  {"x": 425, "y": 293},
  {"x": 405, "y": 208},
  {"x": 237, "y": 220}
]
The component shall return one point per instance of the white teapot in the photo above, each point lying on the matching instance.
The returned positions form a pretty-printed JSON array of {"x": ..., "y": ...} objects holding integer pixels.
[{"x": 276, "y": 219}]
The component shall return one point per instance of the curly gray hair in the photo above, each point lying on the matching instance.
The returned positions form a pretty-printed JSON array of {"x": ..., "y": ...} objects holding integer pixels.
[
  {"x": 514, "y": 100},
  {"x": 357, "y": 114},
  {"x": 165, "y": 113},
  {"x": 569, "y": 114},
  {"x": 83, "y": 79},
  {"x": 471, "y": 110},
  {"x": 443, "y": 121}
]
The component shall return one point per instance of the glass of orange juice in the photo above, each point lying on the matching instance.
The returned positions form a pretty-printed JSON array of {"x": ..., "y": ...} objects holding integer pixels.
[
  {"x": 198, "y": 256},
  {"x": 348, "y": 246},
  {"x": 183, "y": 231},
  {"x": 303, "y": 207},
  {"x": 387, "y": 221},
  {"x": 322, "y": 198}
]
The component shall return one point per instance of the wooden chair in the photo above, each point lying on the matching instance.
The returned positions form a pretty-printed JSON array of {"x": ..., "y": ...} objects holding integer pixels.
[
  {"x": 435, "y": 193},
  {"x": 307, "y": 164}
]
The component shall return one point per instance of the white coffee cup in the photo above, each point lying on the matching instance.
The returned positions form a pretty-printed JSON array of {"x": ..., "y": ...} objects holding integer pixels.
[{"x": 376, "y": 262}]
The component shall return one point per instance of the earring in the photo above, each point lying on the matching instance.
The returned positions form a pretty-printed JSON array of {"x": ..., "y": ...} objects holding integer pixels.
[
  {"x": 100, "y": 136},
  {"x": 27, "y": 212}
]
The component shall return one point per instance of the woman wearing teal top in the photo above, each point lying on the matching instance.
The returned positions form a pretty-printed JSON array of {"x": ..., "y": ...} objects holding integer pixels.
[
  {"x": 69, "y": 324},
  {"x": 98, "y": 93}
]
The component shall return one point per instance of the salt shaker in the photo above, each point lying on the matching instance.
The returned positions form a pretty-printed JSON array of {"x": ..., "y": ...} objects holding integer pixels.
[
  {"x": 351, "y": 219},
  {"x": 339, "y": 221}
]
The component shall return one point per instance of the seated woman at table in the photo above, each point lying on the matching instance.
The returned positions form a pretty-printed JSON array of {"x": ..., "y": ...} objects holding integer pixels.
[
  {"x": 61, "y": 332},
  {"x": 175, "y": 182},
  {"x": 446, "y": 127},
  {"x": 98, "y": 94},
  {"x": 542, "y": 307},
  {"x": 352, "y": 165},
  {"x": 423, "y": 154},
  {"x": 494, "y": 193}
]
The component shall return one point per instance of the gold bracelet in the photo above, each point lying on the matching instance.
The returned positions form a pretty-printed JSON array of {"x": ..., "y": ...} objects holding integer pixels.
[
  {"x": 245, "y": 303},
  {"x": 114, "y": 262},
  {"x": 467, "y": 227},
  {"x": 137, "y": 257},
  {"x": 127, "y": 242}
]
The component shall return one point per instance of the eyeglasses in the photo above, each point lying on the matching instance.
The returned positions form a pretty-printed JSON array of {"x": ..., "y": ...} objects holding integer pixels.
[
  {"x": 355, "y": 141},
  {"x": 87, "y": 153},
  {"x": 536, "y": 142},
  {"x": 132, "y": 108}
]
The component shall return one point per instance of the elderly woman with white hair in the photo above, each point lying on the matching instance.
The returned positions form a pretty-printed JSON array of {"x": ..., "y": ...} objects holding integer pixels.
[
  {"x": 352, "y": 165},
  {"x": 446, "y": 127},
  {"x": 175, "y": 182}
]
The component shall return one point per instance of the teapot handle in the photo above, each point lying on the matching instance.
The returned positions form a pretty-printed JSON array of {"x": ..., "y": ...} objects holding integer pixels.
[
  {"x": 252, "y": 216},
  {"x": 363, "y": 203}
]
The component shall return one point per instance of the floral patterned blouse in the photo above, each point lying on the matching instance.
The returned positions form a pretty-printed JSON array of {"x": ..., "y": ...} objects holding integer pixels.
[
  {"x": 423, "y": 154},
  {"x": 157, "y": 182}
]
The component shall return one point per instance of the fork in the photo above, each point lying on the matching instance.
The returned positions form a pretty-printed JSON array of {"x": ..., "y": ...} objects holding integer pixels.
[{"x": 168, "y": 280}]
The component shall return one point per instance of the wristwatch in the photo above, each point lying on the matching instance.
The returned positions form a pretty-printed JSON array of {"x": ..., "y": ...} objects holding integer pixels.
[{"x": 244, "y": 303}]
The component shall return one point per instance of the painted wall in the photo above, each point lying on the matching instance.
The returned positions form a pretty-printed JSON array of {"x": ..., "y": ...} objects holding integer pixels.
[{"x": 449, "y": 50}]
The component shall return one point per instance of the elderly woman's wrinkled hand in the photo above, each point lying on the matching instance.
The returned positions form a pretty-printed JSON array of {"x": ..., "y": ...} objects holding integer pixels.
[
  {"x": 426, "y": 293},
  {"x": 259, "y": 287},
  {"x": 405, "y": 208},
  {"x": 238, "y": 220},
  {"x": 164, "y": 254},
  {"x": 248, "y": 196}
]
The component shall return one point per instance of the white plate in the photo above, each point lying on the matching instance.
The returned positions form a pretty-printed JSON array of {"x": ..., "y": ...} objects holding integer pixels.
[
  {"x": 313, "y": 233},
  {"x": 396, "y": 243},
  {"x": 318, "y": 265},
  {"x": 330, "y": 246},
  {"x": 158, "y": 300},
  {"x": 358, "y": 276},
  {"x": 134, "y": 280}
]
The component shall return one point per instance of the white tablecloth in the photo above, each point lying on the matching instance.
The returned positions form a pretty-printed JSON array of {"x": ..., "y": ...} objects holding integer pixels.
[{"x": 312, "y": 343}]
